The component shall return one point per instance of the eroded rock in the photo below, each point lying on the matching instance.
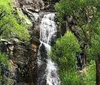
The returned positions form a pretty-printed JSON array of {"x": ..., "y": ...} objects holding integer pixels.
[
  {"x": 22, "y": 58},
  {"x": 33, "y": 5}
]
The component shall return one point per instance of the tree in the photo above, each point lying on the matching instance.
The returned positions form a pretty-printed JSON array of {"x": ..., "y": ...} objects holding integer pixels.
[
  {"x": 64, "y": 54},
  {"x": 90, "y": 77},
  {"x": 95, "y": 45},
  {"x": 10, "y": 24},
  {"x": 82, "y": 15}
]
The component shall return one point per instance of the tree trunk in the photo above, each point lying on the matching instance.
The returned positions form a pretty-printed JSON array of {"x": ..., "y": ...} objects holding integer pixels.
[{"x": 98, "y": 70}]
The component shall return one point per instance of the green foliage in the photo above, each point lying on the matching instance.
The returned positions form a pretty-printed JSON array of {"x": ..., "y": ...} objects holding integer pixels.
[
  {"x": 10, "y": 25},
  {"x": 3, "y": 60},
  {"x": 82, "y": 12},
  {"x": 6, "y": 5},
  {"x": 63, "y": 53},
  {"x": 93, "y": 48},
  {"x": 74, "y": 8},
  {"x": 90, "y": 77},
  {"x": 86, "y": 14},
  {"x": 70, "y": 78},
  {"x": 90, "y": 54},
  {"x": 8, "y": 81},
  {"x": 95, "y": 41}
]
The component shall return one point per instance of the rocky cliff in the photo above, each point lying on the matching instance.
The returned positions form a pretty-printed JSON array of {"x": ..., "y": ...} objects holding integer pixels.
[{"x": 22, "y": 58}]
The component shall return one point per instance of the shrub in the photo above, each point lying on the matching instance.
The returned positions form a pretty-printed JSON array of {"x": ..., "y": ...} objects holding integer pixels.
[
  {"x": 63, "y": 53},
  {"x": 90, "y": 77},
  {"x": 3, "y": 60},
  {"x": 70, "y": 78},
  {"x": 10, "y": 22}
]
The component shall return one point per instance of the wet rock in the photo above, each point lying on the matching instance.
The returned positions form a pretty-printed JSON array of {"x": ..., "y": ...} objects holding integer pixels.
[
  {"x": 49, "y": 5},
  {"x": 33, "y": 5},
  {"x": 24, "y": 58},
  {"x": 36, "y": 5}
]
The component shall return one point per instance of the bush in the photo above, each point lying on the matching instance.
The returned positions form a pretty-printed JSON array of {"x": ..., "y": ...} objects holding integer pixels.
[
  {"x": 10, "y": 22},
  {"x": 68, "y": 7},
  {"x": 3, "y": 60},
  {"x": 90, "y": 77},
  {"x": 71, "y": 78},
  {"x": 63, "y": 53}
]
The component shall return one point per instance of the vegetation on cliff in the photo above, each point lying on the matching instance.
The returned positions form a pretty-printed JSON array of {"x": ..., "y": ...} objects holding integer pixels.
[
  {"x": 13, "y": 24},
  {"x": 4, "y": 63},
  {"x": 82, "y": 18}
]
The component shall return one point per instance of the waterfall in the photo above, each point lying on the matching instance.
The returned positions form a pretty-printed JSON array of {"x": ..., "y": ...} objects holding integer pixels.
[{"x": 47, "y": 69}]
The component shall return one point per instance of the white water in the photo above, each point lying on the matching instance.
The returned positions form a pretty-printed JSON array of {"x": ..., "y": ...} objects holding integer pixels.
[{"x": 48, "y": 30}]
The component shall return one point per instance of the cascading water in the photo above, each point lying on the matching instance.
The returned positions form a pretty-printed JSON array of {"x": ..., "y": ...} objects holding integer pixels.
[{"x": 47, "y": 70}]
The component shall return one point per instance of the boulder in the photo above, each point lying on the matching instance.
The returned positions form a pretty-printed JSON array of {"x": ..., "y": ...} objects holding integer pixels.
[{"x": 33, "y": 5}]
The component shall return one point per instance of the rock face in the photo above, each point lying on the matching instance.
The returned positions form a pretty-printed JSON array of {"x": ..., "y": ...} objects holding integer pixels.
[
  {"x": 36, "y": 5},
  {"x": 33, "y": 5},
  {"x": 22, "y": 58}
]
